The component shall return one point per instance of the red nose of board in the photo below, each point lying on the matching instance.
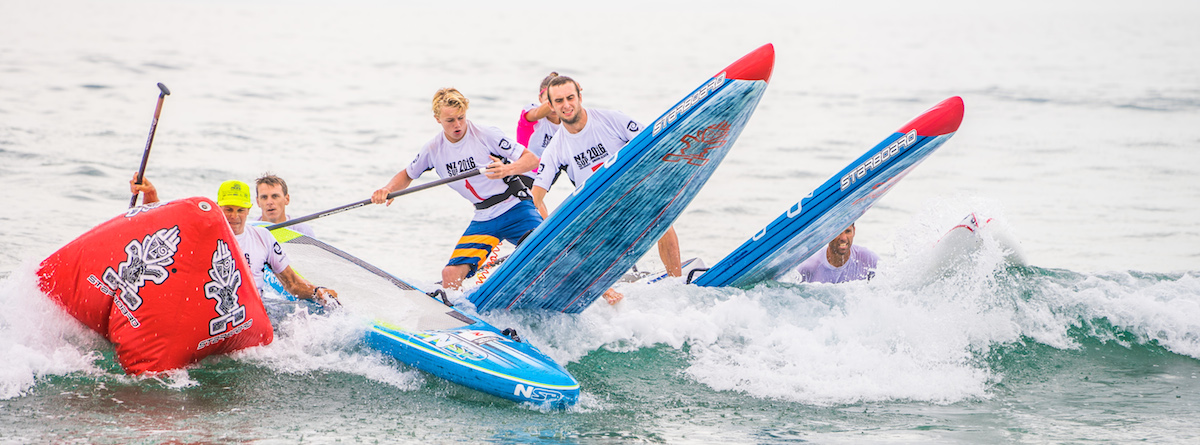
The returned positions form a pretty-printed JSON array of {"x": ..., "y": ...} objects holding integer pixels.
[
  {"x": 754, "y": 66},
  {"x": 943, "y": 118}
]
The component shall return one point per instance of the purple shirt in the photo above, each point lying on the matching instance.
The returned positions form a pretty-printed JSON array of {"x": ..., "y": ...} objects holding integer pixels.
[{"x": 860, "y": 266}]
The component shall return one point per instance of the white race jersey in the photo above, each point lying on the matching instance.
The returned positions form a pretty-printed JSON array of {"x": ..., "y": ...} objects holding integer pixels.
[
  {"x": 470, "y": 152},
  {"x": 261, "y": 249},
  {"x": 581, "y": 154}
]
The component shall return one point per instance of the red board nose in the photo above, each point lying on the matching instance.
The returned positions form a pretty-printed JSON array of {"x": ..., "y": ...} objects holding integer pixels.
[
  {"x": 754, "y": 66},
  {"x": 943, "y": 118}
]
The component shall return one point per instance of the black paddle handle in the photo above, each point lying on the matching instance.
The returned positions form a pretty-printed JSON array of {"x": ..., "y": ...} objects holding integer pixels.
[
  {"x": 163, "y": 92},
  {"x": 366, "y": 202}
]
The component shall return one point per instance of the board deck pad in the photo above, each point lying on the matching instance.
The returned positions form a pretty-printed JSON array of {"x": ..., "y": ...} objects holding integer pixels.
[
  {"x": 425, "y": 333},
  {"x": 604, "y": 227},
  {"x": 810, "y": 224},
  {"x": 651, "y": 277}
]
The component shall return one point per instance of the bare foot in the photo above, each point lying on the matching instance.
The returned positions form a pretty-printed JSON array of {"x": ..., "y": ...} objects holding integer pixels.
[{"x": 612, "y": 296}]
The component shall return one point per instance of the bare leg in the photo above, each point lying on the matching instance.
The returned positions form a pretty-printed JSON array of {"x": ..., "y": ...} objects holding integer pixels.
[
  {"x": 668, "y": 251},
  {"x": 452, "y": 276}
]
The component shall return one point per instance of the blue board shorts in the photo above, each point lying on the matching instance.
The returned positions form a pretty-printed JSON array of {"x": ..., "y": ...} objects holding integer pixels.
[{"x": 481, "y": 237}]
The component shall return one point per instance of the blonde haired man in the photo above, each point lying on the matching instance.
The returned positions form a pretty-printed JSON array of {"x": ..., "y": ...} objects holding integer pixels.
[{"x": 503, "y": 210}]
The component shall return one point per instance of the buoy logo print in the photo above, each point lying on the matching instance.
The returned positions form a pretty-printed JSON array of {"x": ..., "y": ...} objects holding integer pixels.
[
  {"x": 223, "y": 288},
  {"x": 146, "y": 260}
]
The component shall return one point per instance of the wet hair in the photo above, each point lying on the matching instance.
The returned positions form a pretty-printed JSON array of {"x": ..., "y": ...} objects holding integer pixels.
[
  {"x": 562, "y": 80},
  {"x": 269, "y": 178},
  {"x": 546, "y": 83},
  {"x": 449, "y": 97}
]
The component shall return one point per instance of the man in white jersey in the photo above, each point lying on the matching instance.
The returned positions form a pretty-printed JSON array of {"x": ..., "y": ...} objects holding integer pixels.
[
  {"x": 841, "y": 261},
  {"x": 273, "y": 199},
  {"x": 502, "y": 207},
  {"x": 259, "y": 247},
  {"x": 587, "y": 139}
]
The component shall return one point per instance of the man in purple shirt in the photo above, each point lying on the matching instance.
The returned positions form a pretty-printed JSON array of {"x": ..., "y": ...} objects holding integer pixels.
[{"x": 841, "y": 261}]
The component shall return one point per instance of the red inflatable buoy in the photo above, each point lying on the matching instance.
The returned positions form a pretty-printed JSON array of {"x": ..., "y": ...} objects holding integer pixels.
[{"x": 165, "y": 282}]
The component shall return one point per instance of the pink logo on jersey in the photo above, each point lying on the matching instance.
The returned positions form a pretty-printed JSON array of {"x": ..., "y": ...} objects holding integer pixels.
[{"x": 699, "y": 144}]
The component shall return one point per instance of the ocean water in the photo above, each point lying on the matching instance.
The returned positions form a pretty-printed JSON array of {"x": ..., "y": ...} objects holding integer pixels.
[{"x": 1076, "y": 319}]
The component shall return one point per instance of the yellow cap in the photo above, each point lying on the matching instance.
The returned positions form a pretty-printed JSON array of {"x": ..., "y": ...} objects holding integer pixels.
[{"x": 234, "y": 193}]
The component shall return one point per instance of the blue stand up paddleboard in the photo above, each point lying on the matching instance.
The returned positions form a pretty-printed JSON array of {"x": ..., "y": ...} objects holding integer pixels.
[
  {"x": 602, "y": 229},
  {"x": 428, "y": 333},
  {"x": 814, "y": 221}
]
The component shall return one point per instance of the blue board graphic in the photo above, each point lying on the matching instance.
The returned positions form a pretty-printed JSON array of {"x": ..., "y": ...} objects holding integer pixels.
[
  {"x": 425, "y": 333},
  {"x": 601, "y": 230},
  {"x": 811, "y": 223}
]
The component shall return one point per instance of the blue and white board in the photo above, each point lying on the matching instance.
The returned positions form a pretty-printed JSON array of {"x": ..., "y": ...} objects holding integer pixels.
[
  {"x": 602, "y": 229},
  {"x": 425, "y": 333},
  {"x": 810, "y": 224}
]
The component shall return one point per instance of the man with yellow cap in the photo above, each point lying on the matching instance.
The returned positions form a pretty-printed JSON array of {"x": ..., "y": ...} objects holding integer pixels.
[{"x": 260, "y": 248}]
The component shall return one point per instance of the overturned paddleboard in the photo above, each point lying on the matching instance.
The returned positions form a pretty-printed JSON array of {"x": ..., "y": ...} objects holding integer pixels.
[
  {"x": 602, "y": 229},
  {"x": 966, "y": 239},
  {"x": 814, "y": 221},
  {"x": 428, "y": 334}
]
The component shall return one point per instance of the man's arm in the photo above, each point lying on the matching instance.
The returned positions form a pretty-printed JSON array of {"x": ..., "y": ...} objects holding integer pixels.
[
  {"x": 539, "y": 194},
  {"x": 537, "y": 113},
  {"x": 301, "y": 288},
  {"x": 149, "y": 193},
  {"x": 399, "y": 182},
  {"x": 497, "y": 170}
]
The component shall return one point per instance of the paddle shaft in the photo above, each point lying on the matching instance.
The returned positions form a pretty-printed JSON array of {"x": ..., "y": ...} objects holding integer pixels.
[
  {"x": 163, "y": 92},
  {"x": 366, "y": 202}
]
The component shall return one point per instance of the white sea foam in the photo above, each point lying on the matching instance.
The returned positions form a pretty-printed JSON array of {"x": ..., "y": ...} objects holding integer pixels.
[
  {"x": 915, "y": 332},
  {"x": 38, "y": 338},
  {"x": 307, "y": 343},
  {"x": 1163, "y": 311}
]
